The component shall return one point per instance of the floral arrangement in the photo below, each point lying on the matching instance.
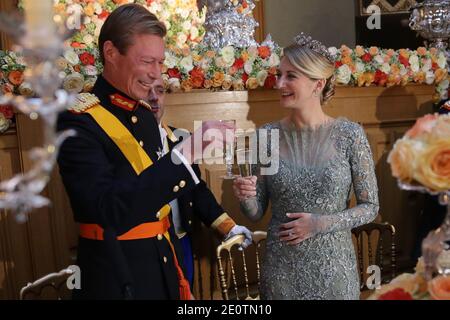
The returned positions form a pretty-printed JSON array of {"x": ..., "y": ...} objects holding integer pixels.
[
  {"x": 386, "y": 67},
  {"x": 422, "y": 156},
  {"x": 182, "y": 18},
  {"x": 408, "y": 286}
]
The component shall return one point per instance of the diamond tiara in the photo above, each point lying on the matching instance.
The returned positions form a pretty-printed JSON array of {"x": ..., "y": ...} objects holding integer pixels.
[{"x": 306, "y": 41}]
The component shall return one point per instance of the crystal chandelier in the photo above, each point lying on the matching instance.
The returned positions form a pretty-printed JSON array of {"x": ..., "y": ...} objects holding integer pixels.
[{"x": 40, "y": 41}]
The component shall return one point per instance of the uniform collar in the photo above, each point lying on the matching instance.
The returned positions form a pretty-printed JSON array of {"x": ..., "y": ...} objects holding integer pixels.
[
  {"x": 114, "y": 96},
  {"x": 168, "y": 132}
]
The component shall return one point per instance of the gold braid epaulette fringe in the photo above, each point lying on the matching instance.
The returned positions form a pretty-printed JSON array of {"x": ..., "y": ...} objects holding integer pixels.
[{"x": 84, "y": 101}]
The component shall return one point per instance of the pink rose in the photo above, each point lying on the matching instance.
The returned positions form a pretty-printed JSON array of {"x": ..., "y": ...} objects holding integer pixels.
[{"x": 423, "y": 125}]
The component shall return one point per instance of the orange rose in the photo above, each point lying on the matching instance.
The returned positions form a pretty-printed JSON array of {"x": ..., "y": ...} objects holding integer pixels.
[
  {"x": 404, "y": 53},
  {"x": 218, "y": 79},
  {"x": 401, "y": 159},
  {"x": 345, "y": 51},
  {"x": 347, "y": 60},
  {"x": 423, "y": 125},
  {"x": 238, "y": 85},
  {"x": 419, "y": 77},
  {"x": 252, "y": 83},
  {"x": 440, "y": 75},
  {"x": 360, "y": 51},
  {"x": 373, "y": 51},
  {"x": 433, "y": 167},
  {"x": 186, "y": 85},
  {"x": 395, "y": 69},
  {"x": 366, "y": 79},
  {"x": 421, "y": 51},
  {"x": 244, "y": 55},
  {"x": 393, "y": 80},
  {"x": 89, "y": 10},
  {"x": 15, "y": 77},
  {"x": 439, "y": 288},
  {"x": 210, "y": 54},
  {"x": 207, "y": 84},
  {"x": 390, "y": 52},
  {"x": 433, "y": 51},
  {"x": 264, "y": 52}
]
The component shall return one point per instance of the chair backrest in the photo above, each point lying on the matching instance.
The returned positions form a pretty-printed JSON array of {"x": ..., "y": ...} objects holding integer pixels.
[
  {"x": 236, "y": 276},
  {"x": 49, "y": 287},
  {"x": 370, "y": 240}
]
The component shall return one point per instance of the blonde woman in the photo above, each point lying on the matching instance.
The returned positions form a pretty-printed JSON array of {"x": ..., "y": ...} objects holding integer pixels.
[{"x": 309, "y": 252}]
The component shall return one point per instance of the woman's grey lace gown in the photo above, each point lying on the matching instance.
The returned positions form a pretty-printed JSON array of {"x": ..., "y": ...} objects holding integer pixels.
[{"x": 317, "y": 169}]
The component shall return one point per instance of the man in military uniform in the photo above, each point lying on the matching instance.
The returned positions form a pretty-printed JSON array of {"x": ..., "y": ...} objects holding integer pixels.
[
  {"x": 118, "y": 186},
  {"x": 200, "y": 201}
]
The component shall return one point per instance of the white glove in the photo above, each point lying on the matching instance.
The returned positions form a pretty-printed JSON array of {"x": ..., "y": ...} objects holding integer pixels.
[{"x": 237, "y": 229}]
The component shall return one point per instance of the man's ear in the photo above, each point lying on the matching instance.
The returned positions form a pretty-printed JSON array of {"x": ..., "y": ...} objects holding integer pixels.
[{"x": 110, "y": 52}]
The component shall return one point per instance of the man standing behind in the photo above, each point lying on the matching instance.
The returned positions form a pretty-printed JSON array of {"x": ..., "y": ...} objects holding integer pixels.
[
  {"x": 118, "y": 187},
  {"x": 199, "y": 202}
]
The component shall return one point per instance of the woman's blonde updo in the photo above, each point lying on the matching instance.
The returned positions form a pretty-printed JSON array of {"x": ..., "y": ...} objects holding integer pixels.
[{"x": 312, "y": 59}]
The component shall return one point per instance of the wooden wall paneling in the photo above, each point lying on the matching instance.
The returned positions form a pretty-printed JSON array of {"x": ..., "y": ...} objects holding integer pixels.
[
  {"x": 258, "y": 14},
  {"x": 6, "y": 6},
  {"x": 15, "y": 267},
  {"x": 43, "y": 254}
]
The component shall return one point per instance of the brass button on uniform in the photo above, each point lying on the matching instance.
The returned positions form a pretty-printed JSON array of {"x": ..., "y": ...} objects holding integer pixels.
[
  {"x": 165, "y": 260},
  {"x": 134, "y": 119},
  {"x": 190, "y": 204},
  {"x": 160, "y": 237},
  {"x": 176, "y": 189},
  {"x": 190, "y": 222},
  {"x": 141, "y": 143},
  {"x": 182, "y": 184}
]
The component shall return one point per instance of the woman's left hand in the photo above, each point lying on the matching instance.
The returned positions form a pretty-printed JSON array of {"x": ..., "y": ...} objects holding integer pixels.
[{"x": 304, "y": 226}]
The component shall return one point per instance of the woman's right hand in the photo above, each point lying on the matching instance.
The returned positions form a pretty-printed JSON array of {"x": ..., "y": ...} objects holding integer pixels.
[{"x": 244, "y": 187}]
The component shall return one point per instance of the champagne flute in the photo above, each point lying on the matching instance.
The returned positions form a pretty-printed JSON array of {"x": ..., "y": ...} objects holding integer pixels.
[
  {"x": 228, "y": 150},
  {"x": 244, "y": 160}
]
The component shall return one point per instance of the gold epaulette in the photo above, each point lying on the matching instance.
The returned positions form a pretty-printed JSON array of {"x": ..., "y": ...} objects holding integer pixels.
[{"x": 84, "y": 101}]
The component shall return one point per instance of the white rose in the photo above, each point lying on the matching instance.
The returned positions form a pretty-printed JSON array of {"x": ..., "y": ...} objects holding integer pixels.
[
  {"x": 86, "y": 20},
  {"x": 274, "y": 60},
  {"x": 360, "y": 67},
  {"x": 379, "y": 59},
  {"x": 174, "y": 84},
  {"x": 414, "y": 62},
  {"x": 88, "y": 39},
  {"x": 155, "y": 7},
  {"x": 20, "y": 60},
  {"x": 344, "y": 74},
  {"x": 333, "y": 51},
  {"x": 442, "y": 61},
  {"x": 98, "y": 8},
  {"x": 187, "y": 25},
  {"x": 427, "y": 65},
  {"x": 386, "y": 68},
  {"x": 252, "y": 52},
  {"x": 165, "y": 15},
  {"x": 187, "y": 64},
  {"x": 74, "y": 83},
  {"x": 261, "y": 77},
  {"x": 26, "y": 90},
  {"x": 167, "y": 24},
  {"x": 184, "y": 13},
  {"x": 91, "y": 70},
  {"x": 403, "y": 70},
  {"x": 194, "y": 33},
  {"x": 181, "y": 39},
  {"x": 220, "y": 62},
  {"x": 248, "y": 66},
  {"x": 429, "y": 77},
  {"x": 171, "y": 3},
  {"x": 227, "y": 54},
  {"x": 72, "y": 57},
  {"x": 170, "y": 61}
]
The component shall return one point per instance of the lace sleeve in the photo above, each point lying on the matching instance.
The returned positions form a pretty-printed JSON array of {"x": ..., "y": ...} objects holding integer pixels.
[{"x": 364, "y": 185}]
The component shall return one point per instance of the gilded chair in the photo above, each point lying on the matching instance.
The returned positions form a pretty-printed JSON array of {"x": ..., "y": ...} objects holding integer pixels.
[
  {"x": 52, "y": 286},
  {"x": 239, "y": 270},
  {"x": 370, "y": 243}
]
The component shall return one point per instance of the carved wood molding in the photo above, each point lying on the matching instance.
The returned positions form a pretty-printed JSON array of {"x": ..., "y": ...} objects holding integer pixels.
[{"x": 6, "y": 6}]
